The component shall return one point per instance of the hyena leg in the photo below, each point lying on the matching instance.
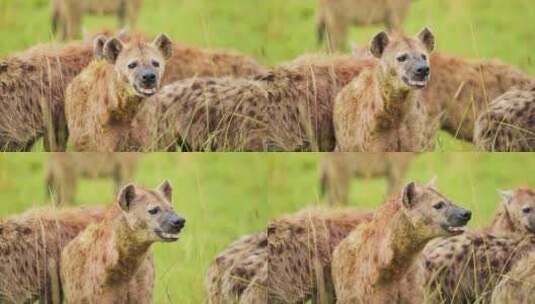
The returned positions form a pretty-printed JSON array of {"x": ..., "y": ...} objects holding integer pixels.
[
  {"x": 393, "y": 21},
  {"x": 336, "y": 30},
  {"x": 73, "y": 14},
  {"x": 395, "y": 181},
  {"x": 121, "y": 13}
]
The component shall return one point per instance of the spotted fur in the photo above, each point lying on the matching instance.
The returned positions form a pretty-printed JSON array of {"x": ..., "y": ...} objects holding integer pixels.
[
  {"x": 461, "y": 90},
  {"x": 372, "y": 264},
  {"x": 508, "y": 124},
  {"x": 518, "y": 285},
  {"x": 466, "y": 268},
  {"x": 291, "y": 267},
  {"x": 379, "y": 111},
  {"x": 233, "y": 275},
  {"x": 30, "y": 249},
  {"x": 33, "y": 84},
  {"x": 111, "y": 262},
  {"x": 300, "y": 253},
  {"x": 101, "y": 103},
  {"x": 286, "y": 109}
]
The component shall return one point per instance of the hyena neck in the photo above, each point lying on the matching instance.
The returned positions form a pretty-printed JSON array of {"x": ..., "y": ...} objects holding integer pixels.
[
  {"x": 502, "y": 222},
  {"x": 131, "y": 252},
  {"x": 125, "y": 102},
  {"x": 399, "y": 248},
  {"x": 395, "y": 102}
]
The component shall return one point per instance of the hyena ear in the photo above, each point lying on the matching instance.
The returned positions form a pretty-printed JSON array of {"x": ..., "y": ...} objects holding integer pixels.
[
  {"x": 167, "y": 190},
  {"x": 507, "y": 195},
  {"x": 408, "y": 195},
  {"x": 112, "y": 49},
  {"x": 98, "y": 46},
  {"x": 126, "y": 197},
  {"x": 3, "y": 67},
  {"x": 164, "y": 44},
  {"x": 432, "y": 183},
  {"x": 379, "y": 44},
  {"x": 123, "y": 34},
  {"x": 428, "y": 39}
]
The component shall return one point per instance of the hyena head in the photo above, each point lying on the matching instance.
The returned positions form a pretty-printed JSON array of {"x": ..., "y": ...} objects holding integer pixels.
[
  {"x": 431, "y": 213},
  {"x": 139, "y": 65},
  {"x": 520, "y": 207},
  {"x": 404, "y": 61},
  {"x": 149, "y": 213}
]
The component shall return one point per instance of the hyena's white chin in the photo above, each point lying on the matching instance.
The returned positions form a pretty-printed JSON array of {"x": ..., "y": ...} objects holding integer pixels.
[{"x": 416, "y": 84}]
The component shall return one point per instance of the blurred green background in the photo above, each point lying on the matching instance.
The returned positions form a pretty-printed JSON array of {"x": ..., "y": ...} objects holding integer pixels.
[
  {"x": 278, "y": 30},
  {"x": 224, "y": 196}
]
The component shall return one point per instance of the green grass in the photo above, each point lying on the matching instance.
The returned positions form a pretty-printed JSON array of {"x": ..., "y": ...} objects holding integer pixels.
[
  {"x": 224, "y": 196},
  {"x": 279, "y": 30}
]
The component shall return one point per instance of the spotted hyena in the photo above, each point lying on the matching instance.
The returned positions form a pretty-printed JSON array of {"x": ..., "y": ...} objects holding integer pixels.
[
  {"x": 67, "y": 15},
  {"x": 282, "y": 266},
  {"x": 30, "y": 251},
  {"x": 518, "y": 285},
  {"x": 338, "y": 169},
  {"x": 235, "y": 274},
  {"x": 468, "y": 267},
  {"x": 516, "y": 215},
  {"x": 32, "y": 86},
  {"x": 288, "y": 108},
  {"x": 334, "y": 17},
  {"x": 102, "y": 102},
  {"x": 300, "y": 250},
  {"x": 382, "y": 109},
  {"x": 45, "y": 70},
  {"x": 111, "y": 262},
  {"x": 461, "y": 90},
  {"x": 370, "y": 265},
  {"x": 508, "y": 124},
  {"x": 64, "y": 169}
]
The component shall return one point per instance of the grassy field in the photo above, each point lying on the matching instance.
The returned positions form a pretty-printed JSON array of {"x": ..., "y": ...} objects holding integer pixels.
[
  {"x": 278, "y": 30},
  {"x": 224, "y": 196}
]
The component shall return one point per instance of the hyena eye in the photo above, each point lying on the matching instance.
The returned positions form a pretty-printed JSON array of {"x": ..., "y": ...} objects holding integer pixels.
[
  {"x": 526, "y": 210},
  {"x": 439, "y": 205},
  {"x": 154, "y": 210},
  {"x": 132, "y": 65},
  {"x": 155, "y": 64},
  {"x": 424, "y": 57},
  {"x": 402, "y": 58}
]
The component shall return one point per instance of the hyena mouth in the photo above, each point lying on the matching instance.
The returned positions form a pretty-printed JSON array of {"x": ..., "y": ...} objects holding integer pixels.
[
  {"x": 454, "y": 230},
  {"x": 167, "y": 237},
  {"x": 147, "y": 92},
  {"x": 417, "y": 84}
]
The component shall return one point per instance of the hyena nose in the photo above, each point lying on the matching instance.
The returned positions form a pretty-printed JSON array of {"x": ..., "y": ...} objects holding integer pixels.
[
  {"x": 149, "y": 78},
  {"x": 423, "y": 71},
  {"x": 179, "y": 222},
  {"x": 465, "y": 215}
]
